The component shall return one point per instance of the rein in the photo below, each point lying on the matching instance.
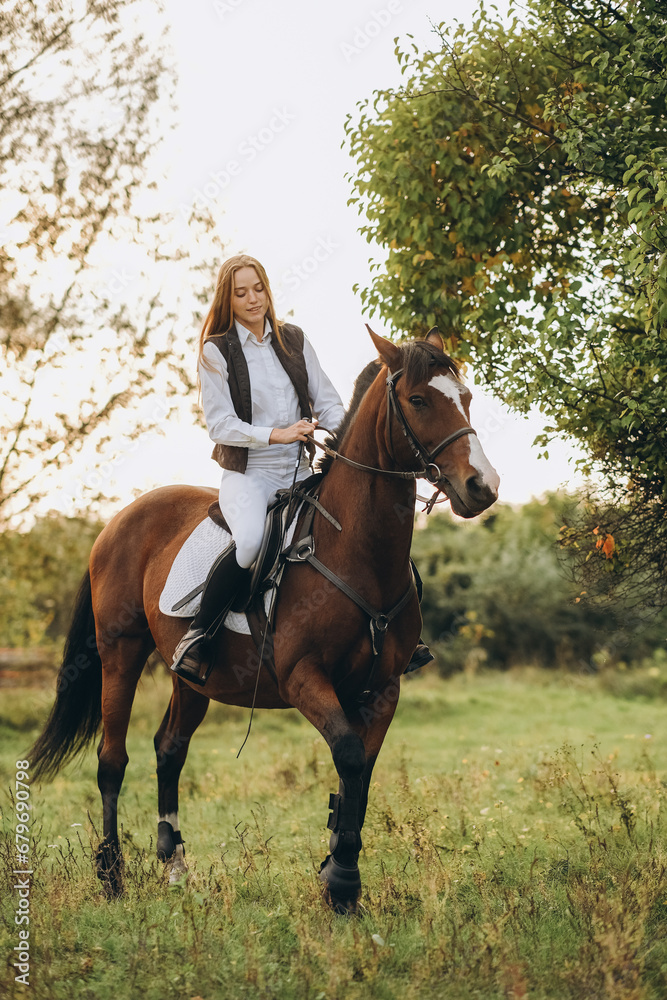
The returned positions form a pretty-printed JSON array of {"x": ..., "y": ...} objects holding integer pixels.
[
  {"x": 274, "y": 592},
  {"x": 303, "y": 550},
  {"x": 429, "y": 470},
  {"x": 429, "y": 501}
]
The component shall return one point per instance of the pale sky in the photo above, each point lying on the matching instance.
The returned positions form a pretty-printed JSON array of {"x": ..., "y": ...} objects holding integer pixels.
[{"x": 264, "y": 89}]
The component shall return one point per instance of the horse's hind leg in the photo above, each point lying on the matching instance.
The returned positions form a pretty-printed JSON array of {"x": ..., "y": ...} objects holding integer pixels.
[
  {"x": 186, "y": 710},
  {"x": 123, "y": 659}
]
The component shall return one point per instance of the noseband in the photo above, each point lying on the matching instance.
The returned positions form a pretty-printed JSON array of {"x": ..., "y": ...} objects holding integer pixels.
[
  {"x": 303, "y": 550},
  {"x": 429, "y": 469}
]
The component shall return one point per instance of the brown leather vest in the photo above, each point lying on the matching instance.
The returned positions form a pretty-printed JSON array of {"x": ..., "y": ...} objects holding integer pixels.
[{"x": 231, "y": 456}]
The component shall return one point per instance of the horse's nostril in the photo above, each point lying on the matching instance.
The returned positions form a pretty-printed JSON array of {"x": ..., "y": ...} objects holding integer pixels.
[
  {"x": 474, "y": 486},
  {"x": 478, "y": 490}
]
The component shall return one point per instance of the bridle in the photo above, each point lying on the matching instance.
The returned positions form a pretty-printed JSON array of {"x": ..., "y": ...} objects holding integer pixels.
[
  {"x": 303, "y": 549},
  {"x": 429, "y": 469}
]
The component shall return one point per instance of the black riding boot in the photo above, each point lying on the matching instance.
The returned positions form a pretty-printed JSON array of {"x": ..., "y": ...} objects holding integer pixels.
[
  {"x": 422, "y": 654},
  {"x": 226, "y": 588}
]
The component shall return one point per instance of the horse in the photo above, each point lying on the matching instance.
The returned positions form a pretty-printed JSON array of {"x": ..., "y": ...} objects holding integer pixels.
[{"x": 409, "y": 408}]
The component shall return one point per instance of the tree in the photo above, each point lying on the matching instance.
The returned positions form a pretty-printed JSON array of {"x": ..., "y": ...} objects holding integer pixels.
[
  {"x": 40, "y": 573},
  {"x": 91, "y": 267},
  {"x": 518, "y": 184},
  {"x": 495, "y": 593}
]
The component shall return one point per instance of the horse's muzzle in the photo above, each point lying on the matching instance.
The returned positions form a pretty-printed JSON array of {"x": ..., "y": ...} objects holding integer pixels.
[{"x": 472, "y": 499}]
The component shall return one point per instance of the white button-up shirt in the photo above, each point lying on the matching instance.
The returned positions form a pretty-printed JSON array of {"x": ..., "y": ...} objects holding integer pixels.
[{"x": 274, "y": 400}]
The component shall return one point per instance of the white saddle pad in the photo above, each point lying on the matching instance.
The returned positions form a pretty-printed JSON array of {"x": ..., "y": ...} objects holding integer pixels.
[{"x": 191, "y": 567}]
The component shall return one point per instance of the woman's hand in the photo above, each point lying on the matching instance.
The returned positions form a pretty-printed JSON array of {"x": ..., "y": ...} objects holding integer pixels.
[{"x": 296, "y": 432}]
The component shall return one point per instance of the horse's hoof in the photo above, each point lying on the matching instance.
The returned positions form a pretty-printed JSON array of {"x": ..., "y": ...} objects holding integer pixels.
[
  {"x": 109, "y": 866},
  {"x": 341, "y": 886},
  {"x": 177, "y": 868},
  {"x": 112, "y": 888}
]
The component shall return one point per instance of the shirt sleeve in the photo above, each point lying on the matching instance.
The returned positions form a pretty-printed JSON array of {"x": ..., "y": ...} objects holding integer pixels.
[
  {"x": 224, "y": 426},
  {"x": 327, "y": 404}
]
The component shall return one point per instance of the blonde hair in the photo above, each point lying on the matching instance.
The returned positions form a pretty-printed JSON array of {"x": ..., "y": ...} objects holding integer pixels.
[{"x": 221, "y": 314}]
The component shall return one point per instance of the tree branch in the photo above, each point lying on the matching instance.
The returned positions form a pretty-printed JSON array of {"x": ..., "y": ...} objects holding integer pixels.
[{"x": 42, "y": 51}]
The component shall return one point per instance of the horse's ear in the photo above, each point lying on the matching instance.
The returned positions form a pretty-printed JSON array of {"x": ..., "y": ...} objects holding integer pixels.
[
  {"x": 390, "y": 353},
  {"x": 434, "y": 337}
]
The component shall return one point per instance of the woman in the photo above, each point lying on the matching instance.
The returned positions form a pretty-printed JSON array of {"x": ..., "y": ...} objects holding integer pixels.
[{"x": 261, "y": 383}]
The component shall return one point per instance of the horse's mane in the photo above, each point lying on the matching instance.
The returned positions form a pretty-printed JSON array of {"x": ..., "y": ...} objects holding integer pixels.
[{"x": 419, "y": 359}]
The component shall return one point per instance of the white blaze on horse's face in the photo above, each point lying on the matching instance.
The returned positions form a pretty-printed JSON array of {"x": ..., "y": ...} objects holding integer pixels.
[{"x": 453, "y": 390}]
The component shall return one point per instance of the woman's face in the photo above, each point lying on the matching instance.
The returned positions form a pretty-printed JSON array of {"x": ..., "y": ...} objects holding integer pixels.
[{"x": 249, "y": 298}]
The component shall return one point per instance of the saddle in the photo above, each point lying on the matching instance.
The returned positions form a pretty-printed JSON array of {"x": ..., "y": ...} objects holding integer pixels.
[
  {"x": 278, "y": 519},
  {"x": 271, "y": 563}
]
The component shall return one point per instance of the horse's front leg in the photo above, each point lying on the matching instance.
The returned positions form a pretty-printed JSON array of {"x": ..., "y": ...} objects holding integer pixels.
[
  {"x": 354, "y": 742},
  {"x": 371, "y": 722},
  {"x": 339, "y": 872}
]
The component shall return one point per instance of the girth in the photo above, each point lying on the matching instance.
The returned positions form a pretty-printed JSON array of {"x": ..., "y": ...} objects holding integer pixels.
[{"x": 303, "y": 551}]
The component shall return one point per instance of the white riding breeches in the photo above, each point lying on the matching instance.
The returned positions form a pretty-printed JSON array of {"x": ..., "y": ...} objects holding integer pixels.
[{"x": 244, "y": 497}]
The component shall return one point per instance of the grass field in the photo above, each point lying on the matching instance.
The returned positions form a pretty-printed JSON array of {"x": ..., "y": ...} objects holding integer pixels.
[{"x": 514, "y": 847}]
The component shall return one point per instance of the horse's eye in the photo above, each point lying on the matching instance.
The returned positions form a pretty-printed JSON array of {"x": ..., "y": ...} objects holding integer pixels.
[{"x": 417, "y": 402}]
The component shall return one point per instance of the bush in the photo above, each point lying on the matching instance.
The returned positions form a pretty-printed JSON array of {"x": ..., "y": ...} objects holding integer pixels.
[
  {"x": 40, "y": 574},
  {"x": 497, "y": 592}
]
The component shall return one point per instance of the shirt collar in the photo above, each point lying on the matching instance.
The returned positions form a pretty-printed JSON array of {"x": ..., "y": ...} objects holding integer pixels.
[{"x": 244, "y": 332}]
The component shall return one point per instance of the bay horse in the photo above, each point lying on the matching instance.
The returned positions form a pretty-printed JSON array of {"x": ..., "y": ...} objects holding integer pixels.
[{"x": 409, "y": 408}]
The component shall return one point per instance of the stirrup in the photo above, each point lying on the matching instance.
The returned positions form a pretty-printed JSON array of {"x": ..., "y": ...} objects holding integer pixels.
[
  {"x": 421, "y": 656},
  {"x": 185, "y": 672}
]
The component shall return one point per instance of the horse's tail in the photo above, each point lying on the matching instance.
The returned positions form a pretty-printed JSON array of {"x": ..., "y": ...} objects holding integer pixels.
[{"x": 77, "y": 712}]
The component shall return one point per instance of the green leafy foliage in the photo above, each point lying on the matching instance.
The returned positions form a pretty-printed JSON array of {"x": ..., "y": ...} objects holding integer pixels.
[
  {"x": 518, "y": 185},
  {"x": 40, "y": 574},
  {"x": 96, "y": 279},
  {"x": 496, "y": 595}
]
